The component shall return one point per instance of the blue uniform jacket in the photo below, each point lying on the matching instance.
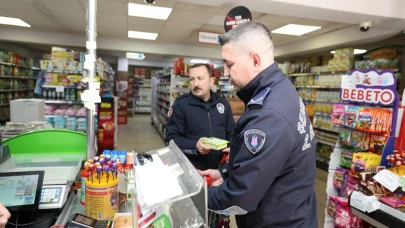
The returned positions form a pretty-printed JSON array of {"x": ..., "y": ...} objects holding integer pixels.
[
  {"x": 272, "y": 161},
  {"x": 191, "y": 118}
]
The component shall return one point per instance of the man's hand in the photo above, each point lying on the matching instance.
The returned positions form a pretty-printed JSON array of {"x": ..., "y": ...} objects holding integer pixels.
[
  {"x": 4, "y": 216},
  {"x": 201, "y": 147},
  {"x": 216, "y": 178}
]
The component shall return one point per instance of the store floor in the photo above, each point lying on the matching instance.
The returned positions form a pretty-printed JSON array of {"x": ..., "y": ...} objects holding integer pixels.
[{"x": 139, "y": 135}]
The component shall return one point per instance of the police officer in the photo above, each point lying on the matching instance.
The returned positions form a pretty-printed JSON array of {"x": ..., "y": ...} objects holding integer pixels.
[
  {"x": 271, "y": 176},
  {"x": 197, "y": 115}
]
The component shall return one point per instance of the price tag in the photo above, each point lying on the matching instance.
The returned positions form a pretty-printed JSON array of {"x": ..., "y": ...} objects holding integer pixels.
[
  {"x": 348, "y": 82},
  {"x": 373, "y": 204},
  {"x": 359, "y": 201},
  {"x": 387, "y": 179},
  {"x": 60, "y": 89}
]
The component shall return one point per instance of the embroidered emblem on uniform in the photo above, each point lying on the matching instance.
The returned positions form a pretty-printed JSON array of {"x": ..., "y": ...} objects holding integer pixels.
[
  {"x": 254, "y": 140},
  {"x": 221, "y": 108},
  {"x": 170, "y": 112}
]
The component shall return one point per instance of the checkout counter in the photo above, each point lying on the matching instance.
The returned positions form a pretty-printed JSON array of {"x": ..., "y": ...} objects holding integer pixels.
[{"x": 162, "y": 182}]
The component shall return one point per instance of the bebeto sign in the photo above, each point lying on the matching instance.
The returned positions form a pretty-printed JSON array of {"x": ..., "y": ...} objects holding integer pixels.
[{"x": 370, "y": 87}]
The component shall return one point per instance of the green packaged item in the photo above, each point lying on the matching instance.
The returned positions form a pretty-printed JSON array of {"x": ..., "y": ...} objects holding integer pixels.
[
  {"x": 215, "y": 143},
  {"x": 161, "y": 222},
  {"x": 346, "y": 158}
]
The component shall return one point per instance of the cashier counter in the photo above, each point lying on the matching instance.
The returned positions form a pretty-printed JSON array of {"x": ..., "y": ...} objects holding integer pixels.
[{"x": 52, "y": 203}]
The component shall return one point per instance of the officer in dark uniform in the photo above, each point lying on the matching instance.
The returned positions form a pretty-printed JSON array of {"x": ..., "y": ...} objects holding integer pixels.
[
  {"x": 272, "y": 165},
  {"x": 198, "y": 115}
]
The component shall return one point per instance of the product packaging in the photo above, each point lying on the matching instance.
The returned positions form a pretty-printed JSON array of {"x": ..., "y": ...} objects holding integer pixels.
[
  {"x": 331, "y": 209},
  {"x": 364, "y": 162},
  {"x": 217, "y": 144},
  {"x": 346, "y": 158},
  {"x": 377, "y": 143},
  {"x": 338, "y": 114},
  {"x": 365, "y": 119},
  {"x": 339, "y": 178},
  {"x": 352, "y": 113},
  {"x": 393, "y": 202}
]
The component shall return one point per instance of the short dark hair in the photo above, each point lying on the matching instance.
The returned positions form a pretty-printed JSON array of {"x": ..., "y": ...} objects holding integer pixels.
[
  {"x": 240, "y": 32},
  {"x": 207, "y": 66}
]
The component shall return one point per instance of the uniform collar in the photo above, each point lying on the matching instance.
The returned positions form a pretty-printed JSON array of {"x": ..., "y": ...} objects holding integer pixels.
[
  {"x": 199, "y": 102},
  {"x": 268, "y": 78}
]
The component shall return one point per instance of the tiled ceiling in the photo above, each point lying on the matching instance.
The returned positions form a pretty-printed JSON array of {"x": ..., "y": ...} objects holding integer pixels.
[{"x": 182, "y": 26}]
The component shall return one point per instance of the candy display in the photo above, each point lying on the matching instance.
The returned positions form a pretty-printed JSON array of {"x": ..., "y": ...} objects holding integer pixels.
[{"x": 364, "y": 162}]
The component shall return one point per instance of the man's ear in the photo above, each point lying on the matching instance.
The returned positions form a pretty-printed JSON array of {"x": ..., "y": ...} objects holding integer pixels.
[{"x": 212, "y": 81}]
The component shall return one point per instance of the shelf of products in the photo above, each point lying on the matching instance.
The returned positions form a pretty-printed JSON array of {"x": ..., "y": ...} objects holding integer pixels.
[{"x": 142, "y": 92}]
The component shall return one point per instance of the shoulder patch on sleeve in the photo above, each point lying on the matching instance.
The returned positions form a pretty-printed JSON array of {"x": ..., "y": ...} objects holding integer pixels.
[
  {"x": 259, "y": 98},
  {"x": 254, "y": 140}
]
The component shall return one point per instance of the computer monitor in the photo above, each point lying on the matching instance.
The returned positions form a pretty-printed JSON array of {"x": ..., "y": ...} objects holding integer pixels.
[{"x": 21, "y": 190}]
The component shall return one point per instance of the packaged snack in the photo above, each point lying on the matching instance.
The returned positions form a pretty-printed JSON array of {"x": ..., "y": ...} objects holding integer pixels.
[
  {"x": 217, "y": 144},
  {"x": 377, "y": 143},
  {"x": 364, "y": 162},
  {"x": 393, "y": 202},
  {"x": 365, "y": 119},
  {"x": 343, "y": 216},
  {"x": 339, "y": 178},
  {"x": 346, "y": 158},
  {"x": 344, "y": 136},
  {"x": 331, "y": 209},
  {"x": 338, "y": 114},
  {"x": 352, "y": 184},
  {"x": 359, "y": 140},
  {"x": 352, "y": 113}
]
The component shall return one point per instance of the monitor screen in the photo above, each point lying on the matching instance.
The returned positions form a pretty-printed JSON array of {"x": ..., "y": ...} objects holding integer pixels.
[{"x": 21, "y": 190}]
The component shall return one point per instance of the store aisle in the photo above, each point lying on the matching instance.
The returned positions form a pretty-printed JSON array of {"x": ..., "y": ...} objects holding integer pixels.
[{"x": 138, "y": 135}]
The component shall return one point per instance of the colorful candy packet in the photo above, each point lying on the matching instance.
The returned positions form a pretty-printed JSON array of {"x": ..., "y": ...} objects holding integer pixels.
[
  {"x": 377, "y": 143},
  {"x": 365, "y": 119},
  {"x": 338, "y": 114},
  {"x": 352, "y": 113}
]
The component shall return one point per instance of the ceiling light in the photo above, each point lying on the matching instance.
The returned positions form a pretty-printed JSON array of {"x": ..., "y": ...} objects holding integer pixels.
[
  {"x": 133, "y": 55},
  {"x": 154, "y": 12},
  {"x": 13, "y": 21},
  {"x": 199, "y": 61},
  {"x": 356, "y": 51},
  {"x": 295, "y": 30},
  {"x": 142, "y": 35}
]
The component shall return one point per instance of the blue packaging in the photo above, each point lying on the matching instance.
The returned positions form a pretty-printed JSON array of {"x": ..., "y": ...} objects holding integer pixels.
[
  {"x": 115, "y": 154},
  {"x": 122, "y": 156},
  {"x": 107, "y": 152}
]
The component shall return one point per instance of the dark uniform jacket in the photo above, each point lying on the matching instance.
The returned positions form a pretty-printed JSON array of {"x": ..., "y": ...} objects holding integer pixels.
[
  {"x": 191, "y": 118},
  {"x": 272, "y": 160}
]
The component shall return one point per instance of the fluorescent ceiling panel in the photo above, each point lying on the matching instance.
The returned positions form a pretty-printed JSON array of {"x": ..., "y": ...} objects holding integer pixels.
[
  {"x": 142, "y": 35},
  {"x": 133, "y": 55},
  {"x": 155, "y": 12},
  {"x": 199, "y": 61},
  {"x": 356, "y": 51},
  {"x": 296, "y": 30},
  {"x": 13, "y": 21}
]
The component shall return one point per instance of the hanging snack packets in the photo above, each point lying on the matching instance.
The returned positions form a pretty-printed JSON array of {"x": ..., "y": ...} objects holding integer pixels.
[
  {"x": 339, "y": 179},
  {"x": 377, "y": 143},
  {"x": 352, "y": 113},
  {"x": 359, "y": 140},
  {"x": 332, "y": 206},
  {"x": 346, "y": 158},
  {"x": 338, "y": 114},
  {"x": 365, "y": 119},
  {"x": 344, "y": 136}
]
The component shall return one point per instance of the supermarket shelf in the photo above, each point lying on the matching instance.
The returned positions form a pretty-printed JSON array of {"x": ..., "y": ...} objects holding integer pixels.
[
  {"x": 301, "y": 74},
  {"x": 157, "y": 129},
  {"x": 142, "y": 112},
  {"x": 16, "y": 65},
  {"x": 179, "y": 86},
  {"x": 4, "y": 105},
  {"x": 224, "y": 78},
  {"x": 181, "y": 76},
  {"x": 15, "y": 90},
  {"x": 146, "y": 87},
  {"x": 63, "y": 71},
  {"x": 326, "y": 129},
  {"x": 163, "y": 92},
  {"x": 165, "y": 76},
  {"x": 323, "y": 114},
  {"x": 325, "y": 142},
  {"x": 317, "y": 87},
  {"x": 161, "y": 113},
  {"x": 67, "y": 87},
  {"x": 63, "y": 102},
  {"x": 328, "y": 102},
  {"x": 322, "y": 165},
  {"x": 56, "y": 116},
  {"x": 143, "y": 105},
  {"x": 386, "y": 216},
  {"x": 164, "y": 106},
  {"x": 18, "y": 77},
  {"x": 163, "y": 84},
  {"x": 164, "y": 99}
]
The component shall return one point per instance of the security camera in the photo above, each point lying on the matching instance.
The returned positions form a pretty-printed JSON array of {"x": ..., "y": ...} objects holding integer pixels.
[
  {"x": 365, "y": 26},
  {"x": 150, "y": 1}
]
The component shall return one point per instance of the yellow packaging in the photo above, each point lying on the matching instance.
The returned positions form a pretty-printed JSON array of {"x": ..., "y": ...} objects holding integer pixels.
[{"x": 101, "y": 199}]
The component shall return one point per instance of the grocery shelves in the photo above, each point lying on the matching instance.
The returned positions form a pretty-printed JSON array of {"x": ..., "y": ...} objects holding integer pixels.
[
  {"x": 179, "y": 86},
  {"x": 16, "y": 65},
  {"x": 67, "y": 87},
  {"x": 164, "y": 106},
  {"x": 317, "y": 87},
  {"x": 63, "y": 71},
  {"x": 322, "y": 113},
  {"x": 164, "y": 83},
  {"x": 162, "y": 98},
  {"x": 320, "y": 164},
  {"x": 63, "y": 102},
  {"x": 15, "y": 90},
  {"x": 157, "y": 129},
  {"x": 163, "y": 92},
  {"x": 301, "y": 74},
  {"x": 165, "y": 76},
  {"x": 56, "y": 116},
  {"x": 325, "y": 142},
  {"x": 17, "y": 77},
  {"x": 326, "y": 129}
]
